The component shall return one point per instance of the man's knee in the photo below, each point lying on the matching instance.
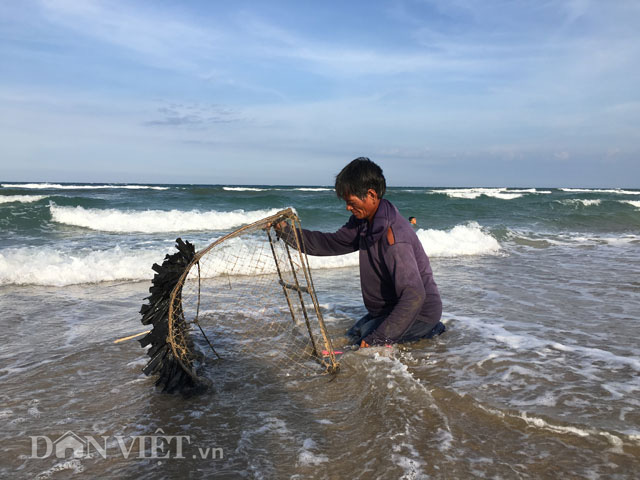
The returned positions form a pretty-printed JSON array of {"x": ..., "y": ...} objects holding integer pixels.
[
  {"x": 363, "y": 327},
  {"x": 420, "y": 330}
]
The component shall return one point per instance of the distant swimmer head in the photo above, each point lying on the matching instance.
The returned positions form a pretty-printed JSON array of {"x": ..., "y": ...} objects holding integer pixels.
[{"x": 413, "y": 221}]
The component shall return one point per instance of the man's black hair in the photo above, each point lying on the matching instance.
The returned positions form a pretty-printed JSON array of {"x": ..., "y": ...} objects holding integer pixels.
[{"x": 358, "y": 177}]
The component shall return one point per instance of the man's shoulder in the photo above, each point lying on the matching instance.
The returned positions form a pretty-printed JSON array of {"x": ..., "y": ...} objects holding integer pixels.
[{"x": 402, "y": 230}]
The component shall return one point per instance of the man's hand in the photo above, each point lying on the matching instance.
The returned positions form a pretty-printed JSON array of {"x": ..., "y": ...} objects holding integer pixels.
[
  {"x": 364, "y": 344},
  {"x": 277, "y": 226}
]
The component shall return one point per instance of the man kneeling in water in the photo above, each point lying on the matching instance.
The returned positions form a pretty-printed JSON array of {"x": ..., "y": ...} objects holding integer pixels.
[{"x": 401, "y": 297}]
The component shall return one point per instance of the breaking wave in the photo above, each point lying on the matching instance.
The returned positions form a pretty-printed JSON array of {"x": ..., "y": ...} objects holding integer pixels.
[
  {"x": 58, "y": 186},
  {"x": 575, "y": 202},
  {"x": 154, "y": 221},
  {"x": 59, "y": 267},
  {"x": 501, "y": 193},
  {"x": 49, "y": 266},
  {"x": 599, "y": 190},
  {"x": 461, "y": 240},
  {"x": 21, "y": 198},
  {"x": 245, "y": 189}
]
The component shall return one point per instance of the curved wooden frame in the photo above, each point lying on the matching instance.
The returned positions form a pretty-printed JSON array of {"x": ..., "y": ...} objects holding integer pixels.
[{"x": 329, "y": 361}]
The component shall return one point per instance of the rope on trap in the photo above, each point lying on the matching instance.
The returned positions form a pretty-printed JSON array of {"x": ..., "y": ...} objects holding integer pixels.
[{"x": 279, "y": 321}]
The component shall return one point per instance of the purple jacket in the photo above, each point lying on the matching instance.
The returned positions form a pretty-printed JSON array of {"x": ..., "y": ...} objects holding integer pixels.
[{"x": 396, "y": 280}]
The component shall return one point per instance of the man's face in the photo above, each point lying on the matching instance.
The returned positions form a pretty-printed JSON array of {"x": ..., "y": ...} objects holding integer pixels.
[{"x": 363, "y": 208}]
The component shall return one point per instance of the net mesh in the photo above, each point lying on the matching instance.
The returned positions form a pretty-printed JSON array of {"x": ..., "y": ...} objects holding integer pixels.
[{"x": 250, "y": 293}]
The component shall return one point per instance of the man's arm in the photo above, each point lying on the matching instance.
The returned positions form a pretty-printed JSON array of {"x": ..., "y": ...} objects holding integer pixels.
[
  {"x": 409, "y": 288},
  {"x": 345, "y": 240}
]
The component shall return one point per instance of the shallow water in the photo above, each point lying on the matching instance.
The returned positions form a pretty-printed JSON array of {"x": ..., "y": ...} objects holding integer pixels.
[{"x": 537, "y": 376}]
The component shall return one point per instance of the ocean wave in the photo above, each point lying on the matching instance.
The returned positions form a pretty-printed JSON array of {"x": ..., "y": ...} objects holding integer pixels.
[
  {"x": 461, "y": 240},
  {"x": 259, "y": 189},
  {"x": 60, "y": 267},
  {"x": 58, "y": 186},
  {"x": 154, "y": 221},
  {"x": 601, "y": 190},
  {"x": 473, "y": 193},
  {"x": 624, "y": 240},
  {"x": 245, "y": 189},
  {"x": 50, "y": 266},
  {"x": 539, "y": 240},
  {"x": 635, "y": 203},
  {"x": 530, "y": 190},
  {"x": 575, "y": 202},
  {"x": 21, "y": 198}
]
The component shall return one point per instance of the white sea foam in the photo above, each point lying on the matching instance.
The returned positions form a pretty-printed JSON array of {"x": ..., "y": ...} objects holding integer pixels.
[
  {"x": 154, "y": 221},
  {"x": 57, "y": 186},
  {"x": 411, "y": 466},
  {"x": 537, "y": 422},
  {"x": 245, "y": 189},
  {"x": 310, "y": 189},
  {"x": 74, "y": 465},
  {"x": 461, "y": 240},
  {"x": 619, "y": 241},
  {"x": 598, "y": 354},
  {"x": 573, "y": 239},
  {"x": 598, "y": 190},
  {"x": 579, "y": 201},
  {"x": 340, "y": 261},
  {"x": 308, "y": 457},
  {"x": 466, "y": 239},
  {"x": 615, "y": 441},
  {"x": 471, "y": 193},
  {"x": 635, "y": 203},
  {"x": 21, "y": 198},
  {"x": 542, "y": 424},
  {"x": 525, "y": 341},
  {"x": 58, "y": 267},
  {"x": 530, "y": 190},
  {"x": 48, "y": 266},
  {"x": 322, "y": 421}
]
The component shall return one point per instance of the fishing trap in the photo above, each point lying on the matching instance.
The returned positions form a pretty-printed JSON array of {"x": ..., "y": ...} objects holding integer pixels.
[{"x": 249, "y": 294}]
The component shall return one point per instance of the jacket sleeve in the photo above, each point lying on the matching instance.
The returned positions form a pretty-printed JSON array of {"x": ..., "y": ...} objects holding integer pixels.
[
  {"x": 345, "y": 240},
  {"x": 409, "y": 289}
]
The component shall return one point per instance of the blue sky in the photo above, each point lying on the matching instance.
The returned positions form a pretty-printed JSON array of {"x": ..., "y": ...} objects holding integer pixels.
[{"x": 439, "y": 93}]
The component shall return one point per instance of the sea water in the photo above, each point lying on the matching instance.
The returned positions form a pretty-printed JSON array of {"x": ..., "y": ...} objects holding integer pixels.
[{"x": 537, "y": 376}]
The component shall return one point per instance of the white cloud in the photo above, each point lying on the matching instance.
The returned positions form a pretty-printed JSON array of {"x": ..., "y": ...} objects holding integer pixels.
[{"x": 163, "y": 39}]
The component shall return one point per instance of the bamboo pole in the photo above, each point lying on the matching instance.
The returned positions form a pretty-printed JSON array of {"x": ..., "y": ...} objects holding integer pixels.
[{"x": 124, "y": 339}]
